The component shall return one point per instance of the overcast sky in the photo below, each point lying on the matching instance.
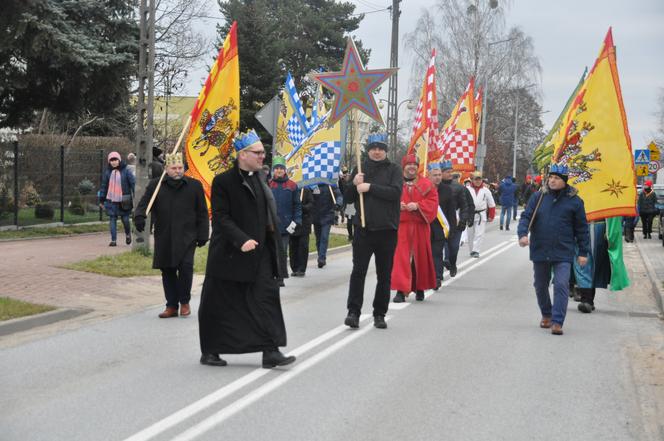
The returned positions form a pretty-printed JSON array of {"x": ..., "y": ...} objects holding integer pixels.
[{"x": 567, "y": 35}]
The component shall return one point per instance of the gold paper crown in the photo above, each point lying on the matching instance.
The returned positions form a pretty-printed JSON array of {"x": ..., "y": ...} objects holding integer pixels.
[{"x": 173, "y": 159}]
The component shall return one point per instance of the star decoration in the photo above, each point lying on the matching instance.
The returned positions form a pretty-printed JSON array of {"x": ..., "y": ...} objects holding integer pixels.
[
  {"x": 614, "y": 188},
  {"x": 353, "y": 87}
]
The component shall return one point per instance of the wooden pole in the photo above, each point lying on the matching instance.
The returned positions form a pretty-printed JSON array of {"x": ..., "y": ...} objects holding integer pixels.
[
  {"x": 358, "y": 158},
  {"x": 301, "y": 194},
  {"x": 161, "y": 178},
  {"x": 332, "y": 194}
]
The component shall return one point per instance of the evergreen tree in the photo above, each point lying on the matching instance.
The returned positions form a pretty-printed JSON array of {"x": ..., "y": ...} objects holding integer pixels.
[
  {"x": 278, "y": 36},
  {"x": 74, "y": 58}
]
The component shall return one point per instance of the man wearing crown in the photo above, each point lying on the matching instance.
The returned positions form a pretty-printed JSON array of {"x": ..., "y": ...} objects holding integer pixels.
[
  {"x": 555, "y": 217},
  {"x": 180, "y": 224},
  {"x": 240, "y": 308},
  {"x": 413, "y": 268},
  {"x": 380, "y": 185}
]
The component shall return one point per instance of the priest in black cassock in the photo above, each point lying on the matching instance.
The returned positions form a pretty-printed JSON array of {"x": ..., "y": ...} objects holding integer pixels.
[{"x": 240, "y": 308}]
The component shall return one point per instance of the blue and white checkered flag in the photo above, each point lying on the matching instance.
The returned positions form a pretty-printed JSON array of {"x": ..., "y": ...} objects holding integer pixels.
[
  {"x": 296, "y": 135},
  {"x": 321, "y": 164}
]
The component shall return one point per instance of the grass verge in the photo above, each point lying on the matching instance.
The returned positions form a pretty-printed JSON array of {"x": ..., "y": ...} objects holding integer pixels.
[
  {"x": 11, "y": 309},
  {"x": 135, "y": 263},
  {"x": 52, "y": 231}
]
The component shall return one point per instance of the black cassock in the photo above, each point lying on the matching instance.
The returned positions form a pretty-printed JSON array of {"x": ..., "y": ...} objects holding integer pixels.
[{"x": 240, "y": 308}]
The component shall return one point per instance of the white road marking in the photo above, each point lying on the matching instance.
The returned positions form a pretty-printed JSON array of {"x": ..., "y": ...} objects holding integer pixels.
[
  {"x": 255, "y": 395},
  {"x": 209, "y": 400},
  {"x": 218, "y": 395}
]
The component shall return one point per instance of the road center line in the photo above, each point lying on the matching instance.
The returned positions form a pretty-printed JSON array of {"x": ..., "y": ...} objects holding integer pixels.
[{"x": 218, "y": 395}]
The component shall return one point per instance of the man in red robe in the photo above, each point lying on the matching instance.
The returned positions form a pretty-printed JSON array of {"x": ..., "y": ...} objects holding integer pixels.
[{"x": 413, "y": 268}]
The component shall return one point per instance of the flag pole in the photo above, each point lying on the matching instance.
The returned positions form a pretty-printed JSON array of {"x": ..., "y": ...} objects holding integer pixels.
[
  {"x": 161, "y": 178},
  {"x": 358, "y": 158},
  {"x": 332, "y": 194}
]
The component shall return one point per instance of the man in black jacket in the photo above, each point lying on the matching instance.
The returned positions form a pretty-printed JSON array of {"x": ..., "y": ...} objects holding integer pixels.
[
  {"x": 453, "y": 199},
  {"x": 240, "y": 308},
  {"x": 181, "y": 223},
  {"x": 299, "y": 240},
  {"x": 380, "y": 184}
]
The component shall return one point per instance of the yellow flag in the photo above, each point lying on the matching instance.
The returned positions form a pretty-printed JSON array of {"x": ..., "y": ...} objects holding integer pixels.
[
  {"x": 459, "y": 132},
  {"x": 595, "y": 145},
  {"x": 215, "y": 117}
]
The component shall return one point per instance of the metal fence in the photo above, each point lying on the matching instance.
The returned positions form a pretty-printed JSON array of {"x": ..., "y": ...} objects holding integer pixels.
[{"x": 44, "y": 185}]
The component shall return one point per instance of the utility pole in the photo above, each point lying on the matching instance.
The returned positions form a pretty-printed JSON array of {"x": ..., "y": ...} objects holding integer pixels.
[
  {"x": 392, "y": 111},
  {"x": 145, "y": 108},
  {"x": 516, "y": 125}
]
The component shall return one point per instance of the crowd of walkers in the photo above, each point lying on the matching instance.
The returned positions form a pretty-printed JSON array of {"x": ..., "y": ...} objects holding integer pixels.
[{"x": 412, "y": 221}]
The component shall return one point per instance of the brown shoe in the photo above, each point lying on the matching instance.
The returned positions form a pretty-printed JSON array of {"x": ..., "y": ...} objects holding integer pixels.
[
  {"x": 185, "y": 310},
  {"x": 546, "y": 322},
  {"x": 557, "y": 329},
  {"x": 169, "y": 312}
]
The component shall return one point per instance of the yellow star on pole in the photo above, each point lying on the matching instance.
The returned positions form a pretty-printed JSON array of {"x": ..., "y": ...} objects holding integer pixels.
[{"x": 614, "y": 188}]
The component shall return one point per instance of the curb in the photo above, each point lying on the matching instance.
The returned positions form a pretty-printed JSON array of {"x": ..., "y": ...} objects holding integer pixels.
[
  {"x": 657, "y": 286},
  {"x": 25, "y": 323},
  {"x": 56, "y": 236}
]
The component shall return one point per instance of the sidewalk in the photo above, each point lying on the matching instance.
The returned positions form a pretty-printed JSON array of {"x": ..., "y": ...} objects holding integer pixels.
[
  {"x": 30, "y": 272},
  {"x": 652, "y": 253}
]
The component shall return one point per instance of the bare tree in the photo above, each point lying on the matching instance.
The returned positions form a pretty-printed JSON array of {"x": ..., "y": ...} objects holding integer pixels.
[
  {"x": 659, "y": 135},
  {"x": 465, "y": 35}
]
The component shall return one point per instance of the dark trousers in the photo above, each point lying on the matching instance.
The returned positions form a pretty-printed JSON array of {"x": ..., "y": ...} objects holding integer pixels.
[
  {"x": 177, "y": 281},
  {"x": 451, "y": 247},
  {"x": 299, "y": 253},
  {"x": 587, "y": 295},
  {"x": 283, "y": 257},
  {"x": 437, "y": 252},
  {"x": 646, "y": 222},
  {"x": 380, "y": 244},
  {"x": 349, "y": 227}
]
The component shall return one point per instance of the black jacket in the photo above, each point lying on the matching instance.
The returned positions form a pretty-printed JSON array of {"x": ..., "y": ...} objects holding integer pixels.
[
  {"x": 647, "y": 203},
  {"x": 471, "y": 205},
  {"x": 235, "y": 221},
  {"x": 322, "y": 212},
  {"x": 452, "y": 196},
  {"x": 382, "y": 201},
  {"x": 181, "y": 218},
  {"x": 307, "y": 202}
]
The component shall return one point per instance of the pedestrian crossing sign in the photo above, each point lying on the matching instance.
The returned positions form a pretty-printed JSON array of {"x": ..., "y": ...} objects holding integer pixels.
[{"x": 642, "y": 157}]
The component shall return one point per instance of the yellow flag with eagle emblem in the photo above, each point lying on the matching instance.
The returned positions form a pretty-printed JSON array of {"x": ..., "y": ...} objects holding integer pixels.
[
  {"x": 595, "y": 145},
  {"x": 215, "y": 117}
]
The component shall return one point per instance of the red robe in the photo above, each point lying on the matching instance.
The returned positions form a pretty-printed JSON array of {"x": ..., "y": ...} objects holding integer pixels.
[{"x": 414, "y": 243}]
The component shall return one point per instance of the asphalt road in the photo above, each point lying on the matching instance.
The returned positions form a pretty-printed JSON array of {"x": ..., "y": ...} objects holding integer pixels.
[{"x": 468, "y": 363}]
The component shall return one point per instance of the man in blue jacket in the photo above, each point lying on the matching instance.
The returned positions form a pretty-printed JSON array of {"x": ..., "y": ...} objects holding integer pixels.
[
  {"x": 558, "y": 224},
  {"x": 289, "y": 208},
  {"x": 507, "y": 191}
]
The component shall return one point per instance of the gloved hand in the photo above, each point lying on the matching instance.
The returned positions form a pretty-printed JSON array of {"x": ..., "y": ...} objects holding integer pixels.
[
  {"x": 461, "y": 226},
  {"x": 201, "y": 243},
  {"x": 139, "y": 223},
  {"x": 471, "y": 223},
  {"x": 291, "y": 227}
]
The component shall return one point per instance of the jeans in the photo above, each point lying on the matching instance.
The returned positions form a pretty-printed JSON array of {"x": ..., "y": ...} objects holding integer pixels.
[
  {"x": 322, "y": 233},
  {"x": 283, "y": 257},
  {"x": 505, "y": 211},
  {"x": 177, "y": 281},
  {"x": 114, "y": 226},
  {"x": 380, "y": 244},
  {"x": 561, "y": 274},
  {"x": 514, "y": 210},
  {"x": 451, "y": 247}
]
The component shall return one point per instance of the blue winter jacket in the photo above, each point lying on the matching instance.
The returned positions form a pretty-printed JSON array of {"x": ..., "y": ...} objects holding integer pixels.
[
  {"x": 507, "y": 192},
  {"x": 560, "y": 223},
  {"x": 126, "y": 178},
  {"x": 287, "y": 197}
]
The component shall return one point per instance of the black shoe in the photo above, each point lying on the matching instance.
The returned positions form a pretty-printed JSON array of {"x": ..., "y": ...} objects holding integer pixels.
[
  {"x": 281, "y": 283},
  {"x": 399, "y": 297},
  {"x": 293, "y": 274},
  {"x": 419, "y": 296},
  {"x": 213, "y": 360},
  {"x": 446, "y": 264},
  {"x": 438, "y": 283},
  {"x": 501, "y": 227},
  {"x": 113, "y": 244},
  {"x": 128, "y": 239},
  {"x": 453, "y": 271},
  {"x": 352, "y": 320},
  {"x": 507, "y": 228},
  {"x": 586, "y": 308},
  {"x": 577, "y": 296},
  {"x": 379, "y": 322},
  {"x": 276, "y": 358},
  {"x": 475, "y": 254},
  {"x": 321, "y": 263}
]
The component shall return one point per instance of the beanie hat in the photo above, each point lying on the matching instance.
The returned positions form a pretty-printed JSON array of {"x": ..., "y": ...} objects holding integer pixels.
[
  {"x": 278, "y": 161},
  {"x": 114, "y": 155}
]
